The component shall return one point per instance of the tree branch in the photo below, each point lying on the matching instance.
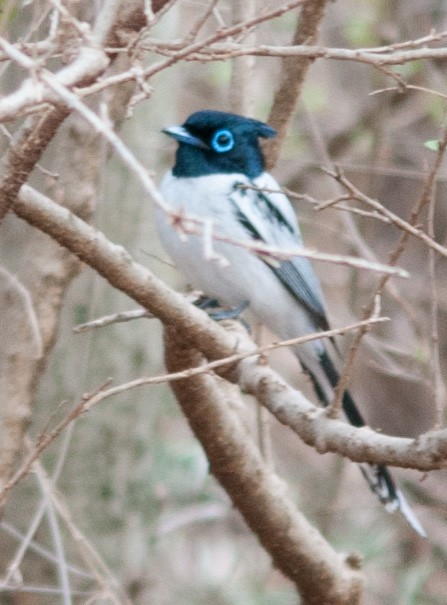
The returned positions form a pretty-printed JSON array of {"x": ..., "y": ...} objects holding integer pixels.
[
  {"x": 24, "y": 152},
  {"x": 294, "y": 70},
  {"x": 311, "y": 423},
  {"x": 320, "y": 574}
]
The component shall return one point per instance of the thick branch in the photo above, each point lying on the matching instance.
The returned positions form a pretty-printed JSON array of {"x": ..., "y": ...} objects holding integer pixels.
[
  {"x": 428, "y": 452},
  {"x": 325, "y": 434},
  {"x": 116, "y": 265},
  {"x": 24, "y": 152},
  {"x": 320, "y": 574}
]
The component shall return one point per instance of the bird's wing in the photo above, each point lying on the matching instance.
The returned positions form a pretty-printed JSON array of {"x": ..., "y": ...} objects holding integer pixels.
[{"x": 269, "y": 217}]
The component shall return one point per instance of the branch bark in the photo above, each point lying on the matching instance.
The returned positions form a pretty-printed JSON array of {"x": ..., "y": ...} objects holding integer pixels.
[
  {"x": 24, "y": 152},
  {"x": 294, "y": 70},
  {"x": 311, "y": 423},
  {"x": 320, "y": 574}
]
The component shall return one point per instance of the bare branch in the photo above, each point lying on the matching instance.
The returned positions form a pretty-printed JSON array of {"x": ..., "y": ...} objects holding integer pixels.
[
  {"x": 107, "y": 320},
  {"x": 90, "y": 63},
  {"x": 89, "y": 400},
  {"x": 311, "y": 423},
  {"x": 231, "y": 50},
  {"x": 192, "y": 225},
  {"x": 297, "y": 549},
  {"x": 181, "y": 53},
  {"x": 24, "y": 152},
  {"x": 393, "y": 218},
  {"x": 294, "y": 71},
  {"x": 124, "y": 316},
  {"x": 119, "y": 269},
  {"x": 315, "y": 428}
]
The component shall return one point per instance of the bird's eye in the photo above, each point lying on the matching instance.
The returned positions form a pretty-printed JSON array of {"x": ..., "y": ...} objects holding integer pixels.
[{"x": 222, "y": 141}]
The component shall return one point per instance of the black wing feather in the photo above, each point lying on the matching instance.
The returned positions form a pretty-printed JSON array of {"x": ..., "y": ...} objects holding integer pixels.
[
  {"x": 292, "y": 278},
  {"x": 290, "y": 272}
]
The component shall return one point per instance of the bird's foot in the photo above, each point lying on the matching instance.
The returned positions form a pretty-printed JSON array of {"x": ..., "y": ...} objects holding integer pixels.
[{"x": 206, "y": 304}]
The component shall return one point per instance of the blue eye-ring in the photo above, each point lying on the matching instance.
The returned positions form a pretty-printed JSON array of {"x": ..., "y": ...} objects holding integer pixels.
[{"x": 222, "y": 141}]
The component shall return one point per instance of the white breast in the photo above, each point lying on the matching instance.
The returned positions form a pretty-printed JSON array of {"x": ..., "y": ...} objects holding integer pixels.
[{"x": 243, "y": 277}]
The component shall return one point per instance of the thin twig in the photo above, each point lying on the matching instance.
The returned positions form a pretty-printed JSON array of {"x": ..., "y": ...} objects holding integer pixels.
[
  {"x": 396, "y": 220},
  {"x": 14, "y": 565},
  {"x": 124, "y": 316},
  {"x": 43, "y": 441},
  {"x": 332, "y": 203},
  {"x": 192, "y": 225},
  {"x": 408, "y": 87},
  {"x": 56, "y": 536},
  {"x": 333, "y": 409},
  {"x": 231, "y": 50},
  {"x": 109, "y": 586},
  {"x": 437, "y": 380},
  {"x": 106, "y": 320},
  {"x": 424, "y": 199},
  {"x": 101, "y": 393},
  {"x": 29, "y": 544},
  {"x": 200, "y": 22}
]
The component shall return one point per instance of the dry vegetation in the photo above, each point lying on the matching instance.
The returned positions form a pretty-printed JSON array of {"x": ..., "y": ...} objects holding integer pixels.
[{"x": 117, "y": 505}]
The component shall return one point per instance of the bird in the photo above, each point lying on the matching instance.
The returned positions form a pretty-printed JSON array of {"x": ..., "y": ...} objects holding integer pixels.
[{"x": 219, "y": 176}]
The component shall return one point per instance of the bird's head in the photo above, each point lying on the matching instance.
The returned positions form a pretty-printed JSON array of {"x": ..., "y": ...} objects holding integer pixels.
[{"x": 215, "y": 142}]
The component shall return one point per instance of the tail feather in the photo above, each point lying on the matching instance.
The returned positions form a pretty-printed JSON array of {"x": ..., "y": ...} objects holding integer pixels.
[
  {"x": 382, "y": 484},
  {"x": 409, "y": 515},
  {"x": 377, "y": 476}
]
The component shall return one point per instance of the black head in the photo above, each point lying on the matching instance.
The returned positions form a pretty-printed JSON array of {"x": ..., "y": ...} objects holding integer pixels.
[{"x": 215, "y": 142}]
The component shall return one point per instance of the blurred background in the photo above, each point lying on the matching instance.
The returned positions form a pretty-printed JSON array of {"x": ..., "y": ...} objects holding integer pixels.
[{"x": 130, "y": 476}]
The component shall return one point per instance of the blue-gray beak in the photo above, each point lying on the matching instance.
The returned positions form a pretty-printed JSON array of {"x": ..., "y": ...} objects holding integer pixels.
[{"x": 183, "y": 136}]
